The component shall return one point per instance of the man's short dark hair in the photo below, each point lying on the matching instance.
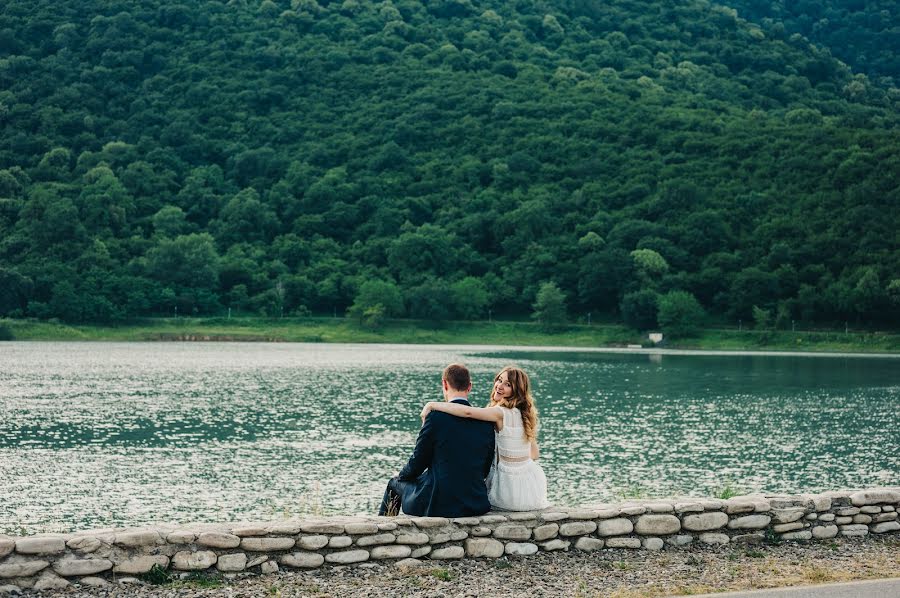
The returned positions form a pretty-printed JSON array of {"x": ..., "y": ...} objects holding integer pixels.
[{"x": 457, "y": 376}]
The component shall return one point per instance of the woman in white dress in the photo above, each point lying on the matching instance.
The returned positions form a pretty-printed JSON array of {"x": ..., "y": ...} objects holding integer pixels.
[{"x": 516, "y": 481}]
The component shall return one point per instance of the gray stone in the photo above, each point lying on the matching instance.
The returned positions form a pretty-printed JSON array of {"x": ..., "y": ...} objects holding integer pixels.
[
  {"x": 847, "y": 512},
  {"x": 69, "y": 566},
  {"x": 735, "y": 506},
  {"x": 7, "y": 545},
  {"x": 395, "y": 551},
  {"x": 340, "y": 542},
  {"x": 41, "y": 545},
  {"x": 588, "y": 544},
  {"x": 523, "y": 516},
  {"x": 854, "y": 531},
  {"x": 361, "y": 528},
  {"x": 466, "y": 520},
  {"x": 410, "y": 563},
  {"x": 550, "y": 517},
  {"x": 50, "y": 581},
  {"x": 657, "y": 525},
  {"x": 421, "y": 551},
  {"x": 10, "y": 590},
  {"x": 284, "y": 529},
  {"x": 347, "y": 556},
  {"x": 660, "y": 507},
  {"x": 26, "y": 569},
  {"x": 181, "y": 537},
  {"x": 448, "y": 553},
  {"x": 458, "y": 535},
  {"x": 688, "y": 507},
  {"x": 302, "y": 560},
  {"x": 218, "y": 540},
  {"x": 186, "y": 560},
  {"x": 884, "y": 517},
  {"x": 714, "y": 538},
  {"x": 267, "y": 544},
  {"x": 141, "y": 564},
  {"x": 131, "y": 581},
  {"x": 556, "y": 545},
  {"x": 887, "y": 526},
  {"x": 312, "y": 542},
  {"x": 93, "y": 582},
  {"x": 680, "y": 540},
  {"x": 484, "y": 547},
  {"x": 811, "y": 516},
  {"x": 615, "y": 527},
  {"x": 623, "y": 542},
  {"x": 512, "y": 532},
  {"x": 750, "y": 522},
  {"x": 257, "y": 560},
  {"x": 245, "y": 531},
  {"x": 843, "y": 520},
  {"x": 827, "y": 517},
  {"x": 84, "y": 544},
  {"x": 752, "y": 538},
  {"x": 712, "y": 504},
  {"x": 387, "y": 526},
  {"x": 888, "y": 509},
  {"x": 653, "y": 543},
  {"x": 607, "y": 513},
  {"x": 480, "y": 531},
  {"x": 268, "y": 568},
  {"x": 633, "y": 510},
  {"x": 232, "y": 562},
  {"x": 439, "y": 538},
  {"x": 787, "y": 527},
  {"x": 577, "y": 528},
  {"x": 821, "y": 503},
  {"x": 864, "y": 519},
  {"x": 874, "y": 496},
  {"x": 788, "y": 515},
  {"x": 801, "y": 535},
  {"x": 582, "y": 514},
  {"x": 321, "y": 527},
  {"x": 705, "y": 521},
  {"x": 822, "y": 532},
  {"x": 139, "y": 538},
  {"x": 545, "y": 532},
  {"x": 870, "y": 509},
  {"x": 385, "y": 538},
  {"x": 419, "y": 538},
  {"x": 429, "y": 522},
  {"x": 521, "y": 548}
]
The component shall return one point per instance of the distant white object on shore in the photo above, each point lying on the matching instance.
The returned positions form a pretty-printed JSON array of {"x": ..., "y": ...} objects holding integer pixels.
[
  {"x": 635, "y": 347},
  {"x": 655, "y": 337}
]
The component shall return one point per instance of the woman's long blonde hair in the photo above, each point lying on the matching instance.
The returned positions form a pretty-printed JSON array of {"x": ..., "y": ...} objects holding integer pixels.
[{"x": 521, "y": 398}]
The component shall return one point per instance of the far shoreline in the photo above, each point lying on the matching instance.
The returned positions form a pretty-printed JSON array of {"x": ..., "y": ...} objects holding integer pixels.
[{"x": 598, "y": 337}]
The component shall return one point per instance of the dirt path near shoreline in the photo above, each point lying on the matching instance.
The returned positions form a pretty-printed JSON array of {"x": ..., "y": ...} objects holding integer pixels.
[{"x": 607, "y": 573}]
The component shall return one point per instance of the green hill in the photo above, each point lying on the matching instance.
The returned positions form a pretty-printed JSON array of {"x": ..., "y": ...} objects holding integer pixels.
[{"x": 455, "y": 155}]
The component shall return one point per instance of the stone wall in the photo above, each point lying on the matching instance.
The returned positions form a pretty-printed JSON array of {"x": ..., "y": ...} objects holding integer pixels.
[{"x": 100, "y": 557}]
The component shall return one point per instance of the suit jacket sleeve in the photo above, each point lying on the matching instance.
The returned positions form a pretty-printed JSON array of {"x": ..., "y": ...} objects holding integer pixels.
[
  {"x": 423, "y": 453},
  {"x": 490, "y": 461}
]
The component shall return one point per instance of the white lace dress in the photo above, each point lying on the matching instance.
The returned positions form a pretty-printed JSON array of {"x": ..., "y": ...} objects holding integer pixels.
[{"x": 516, "y": 482}]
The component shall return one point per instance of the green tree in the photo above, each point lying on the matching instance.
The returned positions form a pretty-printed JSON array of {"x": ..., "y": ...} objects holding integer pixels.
[
  {"x": 549, "y": 306},
  {"x": 680, "y": 314},
  {"x": 375, "y": 301},
  {"x": 470, "y": 298},
  {"x": 639, "y": 309}
]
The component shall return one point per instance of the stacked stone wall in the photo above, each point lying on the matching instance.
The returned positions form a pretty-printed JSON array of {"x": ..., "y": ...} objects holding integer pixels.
[{"x": 100, "y": 557}]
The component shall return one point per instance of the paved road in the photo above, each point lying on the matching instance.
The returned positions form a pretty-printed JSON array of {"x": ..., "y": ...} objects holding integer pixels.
[{"x": 879, "y": 588}]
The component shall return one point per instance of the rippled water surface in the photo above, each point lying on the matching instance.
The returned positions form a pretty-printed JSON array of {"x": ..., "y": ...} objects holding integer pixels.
[{"x": 96, "y": 434}]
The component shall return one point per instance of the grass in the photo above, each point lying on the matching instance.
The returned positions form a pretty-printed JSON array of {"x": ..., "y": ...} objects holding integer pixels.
[
  {"x": 441, "y": 573},
  {"x": 344, "y": 330},
  {"x": 159, "y": 576}
]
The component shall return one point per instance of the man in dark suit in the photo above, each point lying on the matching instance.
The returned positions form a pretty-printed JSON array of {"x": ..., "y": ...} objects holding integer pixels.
[{"x": 445, "y": 475}]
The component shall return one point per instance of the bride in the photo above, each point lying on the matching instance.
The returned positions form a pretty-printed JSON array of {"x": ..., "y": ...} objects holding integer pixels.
[{"x": 516, "y": 481}]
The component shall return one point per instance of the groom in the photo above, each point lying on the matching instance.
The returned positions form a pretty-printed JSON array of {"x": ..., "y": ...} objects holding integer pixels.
[{"x": 445, "y": 475}]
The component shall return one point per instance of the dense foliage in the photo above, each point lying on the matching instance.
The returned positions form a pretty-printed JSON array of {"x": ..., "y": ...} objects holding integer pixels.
[
  {"x": 274, "y": 157},
  {"x": 863, "y": 33}
]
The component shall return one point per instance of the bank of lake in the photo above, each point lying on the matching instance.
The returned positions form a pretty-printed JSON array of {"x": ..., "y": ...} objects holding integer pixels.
[{"x": 518, "y": 333}]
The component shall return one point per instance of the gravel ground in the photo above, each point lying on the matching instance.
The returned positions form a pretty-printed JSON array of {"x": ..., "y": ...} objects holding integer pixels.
[{"x": 607, "y": 573}]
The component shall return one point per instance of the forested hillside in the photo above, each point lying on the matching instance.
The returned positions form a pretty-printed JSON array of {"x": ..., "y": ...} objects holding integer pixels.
[
  {"x": 863, "y": 33},
  {"x": 443, "y": 157}
]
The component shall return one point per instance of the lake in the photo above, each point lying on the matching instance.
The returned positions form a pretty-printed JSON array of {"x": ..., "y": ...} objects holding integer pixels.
[{"x": 102, "y": 434}]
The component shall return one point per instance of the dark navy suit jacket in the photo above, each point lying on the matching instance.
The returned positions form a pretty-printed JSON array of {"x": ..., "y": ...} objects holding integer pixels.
[{"x": 445, "y": 475}]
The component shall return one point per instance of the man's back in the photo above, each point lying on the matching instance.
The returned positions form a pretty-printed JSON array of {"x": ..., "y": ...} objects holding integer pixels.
[{"x": 446, "y": 472}]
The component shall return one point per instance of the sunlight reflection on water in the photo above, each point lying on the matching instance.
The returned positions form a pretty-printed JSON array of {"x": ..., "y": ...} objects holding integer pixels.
[{"x": 98, "y": 434}]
